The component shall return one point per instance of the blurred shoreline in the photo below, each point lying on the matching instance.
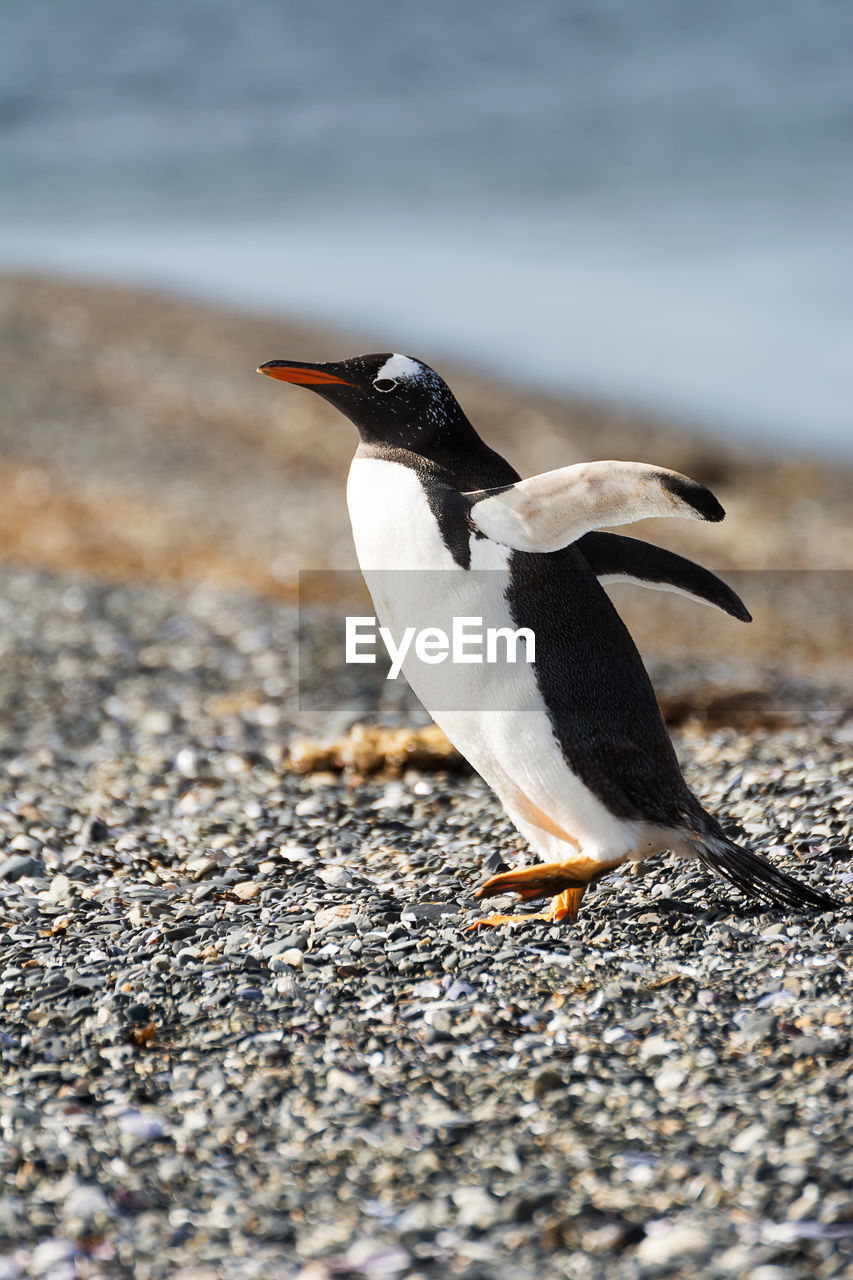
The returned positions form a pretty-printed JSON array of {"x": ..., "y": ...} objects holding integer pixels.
[
  {"x": 138, "y": 444},
  {"x": 646, "y": 205},
  {"x": 546, "y": 298}
]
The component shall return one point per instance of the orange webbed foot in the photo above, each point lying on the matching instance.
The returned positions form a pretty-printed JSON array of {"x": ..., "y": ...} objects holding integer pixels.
[
  {"x": 562, "y": 905},
  {"x": 535, "y": 882},
  {"x": 567, "y": 881}
]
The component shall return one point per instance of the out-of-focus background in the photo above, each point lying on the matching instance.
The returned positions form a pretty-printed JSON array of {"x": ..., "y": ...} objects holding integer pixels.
[
  {"x": 646, "y": 203},
  {"x": 619, "y": 229}
]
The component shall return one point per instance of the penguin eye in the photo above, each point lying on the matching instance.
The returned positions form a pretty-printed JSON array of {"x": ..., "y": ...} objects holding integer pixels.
[{"x": 384, "y": 384}]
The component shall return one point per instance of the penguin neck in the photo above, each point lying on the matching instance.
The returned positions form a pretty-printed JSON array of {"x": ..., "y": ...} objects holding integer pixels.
[{"x": 460, "y": 459}]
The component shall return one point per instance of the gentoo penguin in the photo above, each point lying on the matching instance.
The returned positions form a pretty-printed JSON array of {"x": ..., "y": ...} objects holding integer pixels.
[{"x": 573, "y": 743}]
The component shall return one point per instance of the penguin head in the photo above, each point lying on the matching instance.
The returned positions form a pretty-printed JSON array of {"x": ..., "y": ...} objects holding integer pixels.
[{"x": 393, "y": 400}]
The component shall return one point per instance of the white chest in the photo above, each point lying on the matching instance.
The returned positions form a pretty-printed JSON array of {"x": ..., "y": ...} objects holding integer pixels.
[
  {"x": 493, "y": 713},
  {"x": 409, "y": 570},
  {"x": 392, "y": 524}
]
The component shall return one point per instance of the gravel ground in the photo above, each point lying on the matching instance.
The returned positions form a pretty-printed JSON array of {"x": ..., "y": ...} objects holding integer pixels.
[{"x": 245, "y": 1033}]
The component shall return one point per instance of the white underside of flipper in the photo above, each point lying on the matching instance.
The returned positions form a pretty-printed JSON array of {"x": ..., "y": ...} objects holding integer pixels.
[
  {"x": 505, "y": 732},
  {"x": 615, "y": 579},
  {"x": 552, "y": 510}
]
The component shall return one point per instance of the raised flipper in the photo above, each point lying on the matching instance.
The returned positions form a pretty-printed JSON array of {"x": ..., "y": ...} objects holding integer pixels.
[
  {"x": 615, "y": 558},
  {"x": 549, "y": 511}
]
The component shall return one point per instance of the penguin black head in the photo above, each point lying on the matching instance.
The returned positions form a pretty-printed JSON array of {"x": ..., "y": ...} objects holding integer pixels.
[{"x": 394, "y": 401}]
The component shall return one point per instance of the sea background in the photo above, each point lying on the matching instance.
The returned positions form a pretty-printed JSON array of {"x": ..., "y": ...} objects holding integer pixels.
[{"x": 638, "y": 201}]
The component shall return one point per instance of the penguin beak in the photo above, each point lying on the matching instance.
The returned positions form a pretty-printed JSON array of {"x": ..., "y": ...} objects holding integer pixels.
[{"x": 305, "y": 375}]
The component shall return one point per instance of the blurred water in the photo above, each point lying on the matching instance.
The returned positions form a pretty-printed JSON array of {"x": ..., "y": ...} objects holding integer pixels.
[{"x": 636, "y": 199}]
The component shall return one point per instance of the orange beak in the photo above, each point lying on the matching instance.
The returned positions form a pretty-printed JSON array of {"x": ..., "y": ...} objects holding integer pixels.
[{"x": 305, "y": 375}]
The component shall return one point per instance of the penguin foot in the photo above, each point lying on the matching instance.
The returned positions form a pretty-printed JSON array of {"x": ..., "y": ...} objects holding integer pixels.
[
  {"x": 567, "y": 881},
  {"x": 537, "y": 881},
  {"x": 548, "y": 877},
  {"x": 564, "y": 904}
]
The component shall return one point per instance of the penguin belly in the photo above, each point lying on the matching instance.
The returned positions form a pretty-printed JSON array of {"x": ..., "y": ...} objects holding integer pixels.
[{"x": 493, "y": 713}]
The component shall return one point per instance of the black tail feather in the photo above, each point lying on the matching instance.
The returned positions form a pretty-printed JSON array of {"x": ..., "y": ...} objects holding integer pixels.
[{"x": 756, "y": 877}]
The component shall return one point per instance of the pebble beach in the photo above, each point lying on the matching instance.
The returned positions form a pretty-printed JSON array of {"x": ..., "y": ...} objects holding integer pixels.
[{"x": 245, "y": 1031}]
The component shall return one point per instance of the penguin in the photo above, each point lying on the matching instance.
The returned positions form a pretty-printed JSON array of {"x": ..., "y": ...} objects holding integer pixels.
[{"x": 573, "y": 743}]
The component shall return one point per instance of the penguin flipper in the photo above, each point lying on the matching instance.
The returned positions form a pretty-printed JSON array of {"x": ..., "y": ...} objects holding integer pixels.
[
  {"x": 614, "y": 558},
  {"x": 552, "y": 510}
]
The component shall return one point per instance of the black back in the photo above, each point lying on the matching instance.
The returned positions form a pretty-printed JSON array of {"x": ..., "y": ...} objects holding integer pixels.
[{"x": 599, "y": 698}]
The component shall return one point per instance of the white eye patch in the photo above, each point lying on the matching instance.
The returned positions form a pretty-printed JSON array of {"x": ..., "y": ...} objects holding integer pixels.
[{"x": 398, "y": 367}]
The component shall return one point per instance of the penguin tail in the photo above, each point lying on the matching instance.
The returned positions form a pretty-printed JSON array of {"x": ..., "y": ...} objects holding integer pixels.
[{"x": 755, "y": 876}]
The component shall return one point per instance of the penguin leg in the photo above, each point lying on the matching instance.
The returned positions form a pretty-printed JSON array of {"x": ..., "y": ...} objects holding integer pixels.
[{"x": 567, "y": 881}]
